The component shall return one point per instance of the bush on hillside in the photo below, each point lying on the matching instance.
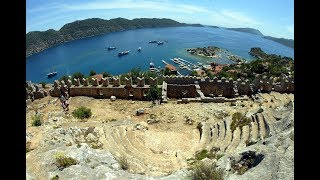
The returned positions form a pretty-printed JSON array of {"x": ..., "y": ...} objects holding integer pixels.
[
  {"x": 63, "y": 161},
  {"x": 82, "y": 112},
  {"x": 239, "y": 120},
  {"x": 36, "y": 120},
  {"x": 203, "y": 171},
  {"x": 153, "y": 94}
]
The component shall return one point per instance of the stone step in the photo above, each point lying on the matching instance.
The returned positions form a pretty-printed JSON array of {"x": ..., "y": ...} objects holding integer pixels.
[
  {"x": 200, "y": 93},
  {"x": 118, "y": 152},
  {"x": 235, "y": 140},
  {"x": 221, "y": 134},
  {"x": 227, "y": 140},
  {"x": 269, "y": 117},
  {"x": 205, "y": 136},
  {"x": 262, "y": 128},
  {"x": 245, "y": 134},
  {"x": 215, "y": 132},
  {"x": 149, "y": 160},
  {"x": 268, "y": 121},
  {"x": 135, "y": 164},
  {"x": 136, "y": 142},
  {"x": 254, "y": 132}
]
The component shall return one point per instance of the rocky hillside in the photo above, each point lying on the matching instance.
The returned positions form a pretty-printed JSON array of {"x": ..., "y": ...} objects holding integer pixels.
[
  {"x": 247, "y": 30},
  {"x": 158, "y": 144},
  {"x": 37, "y": 41},
  {"x": 286, "y": 42}
]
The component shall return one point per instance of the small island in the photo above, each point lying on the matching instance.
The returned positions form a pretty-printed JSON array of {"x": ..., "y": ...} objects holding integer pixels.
[
  {"x": 215, "y": 52},
  {"x": 210, "y": 51}
]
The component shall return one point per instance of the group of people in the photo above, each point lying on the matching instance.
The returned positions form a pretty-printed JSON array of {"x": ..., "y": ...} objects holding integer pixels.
[{"x": 64, "y": 102}]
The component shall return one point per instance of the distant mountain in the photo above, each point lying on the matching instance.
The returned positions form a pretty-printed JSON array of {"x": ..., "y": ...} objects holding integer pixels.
[
  {"x": 247, "y": 30},
  {"x": 214, "y": 26},
  {"x": 37, "y": 41},
  {"x": 286, "y": 42}
]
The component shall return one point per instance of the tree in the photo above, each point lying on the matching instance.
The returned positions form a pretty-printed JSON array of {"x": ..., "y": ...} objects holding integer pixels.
[
  {"x": 193, "y": 73},
  {"x": 134, "y": 73},
  {"x": 105, "y": 74},
  {"x": 154, "y": 94},
  {"x": 92, "y": 73},
  {"x": 77, "y": 75},
  {"x": 64, "y": 78},
  {"x": 167, "y": 71}
]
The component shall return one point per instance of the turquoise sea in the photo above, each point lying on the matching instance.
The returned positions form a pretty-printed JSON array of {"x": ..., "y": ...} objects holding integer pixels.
[{"x": 91, "y": 54}]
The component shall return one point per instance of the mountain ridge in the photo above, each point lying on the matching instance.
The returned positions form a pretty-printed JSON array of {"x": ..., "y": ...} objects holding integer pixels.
[{"x": 37, "y": 41}]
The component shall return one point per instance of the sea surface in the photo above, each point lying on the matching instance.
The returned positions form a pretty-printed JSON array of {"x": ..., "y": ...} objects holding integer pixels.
[{"x": 91, "y": 53}]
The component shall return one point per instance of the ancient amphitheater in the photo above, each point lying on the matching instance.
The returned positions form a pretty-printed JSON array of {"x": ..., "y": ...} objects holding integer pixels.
[{"x": 160, "y": 142}]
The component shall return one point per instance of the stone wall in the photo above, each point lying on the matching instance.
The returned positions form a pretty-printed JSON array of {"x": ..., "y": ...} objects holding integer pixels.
[
  {"x": 181, "y": 79},
  {"x": 175, "y": 87},
  {"x": 34, "y": 91},
  {"x": 216, "y": 87},
  {"x": 243, "y": 87},
  {"x": 107, "y": 88},
  {"x": 181, "y": 91}
]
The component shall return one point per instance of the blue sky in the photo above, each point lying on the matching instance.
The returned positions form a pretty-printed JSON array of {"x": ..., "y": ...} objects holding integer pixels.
[{"x": 271, "y": 17}]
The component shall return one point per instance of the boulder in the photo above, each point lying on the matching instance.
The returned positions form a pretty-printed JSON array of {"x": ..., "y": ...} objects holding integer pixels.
[
  {"x": 139, "y": 112},
  {"x": 152, "y": 121},
  {"x": 113, "y": 98}
]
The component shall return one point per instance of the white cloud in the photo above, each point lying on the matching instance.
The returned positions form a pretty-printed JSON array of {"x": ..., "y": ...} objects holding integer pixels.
[
  {"x": 229, "y": 18},
  {"x": 145, "y": 5}
]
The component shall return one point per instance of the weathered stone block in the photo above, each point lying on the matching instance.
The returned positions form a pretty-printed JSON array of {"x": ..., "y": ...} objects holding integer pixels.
[
  {"x": 116, "y": 82},
  {"x": 85, "y": 82},
  {"x": 140, "y": 82},
  {"x": 95, "y": 82},
  {"x": 69, "y": 83},
  {"x": 105, "y": 82},
  {"x": 56, "y": 83},
  {"x": 153, "y": 81},
  {"x": 128, "y": 81}
]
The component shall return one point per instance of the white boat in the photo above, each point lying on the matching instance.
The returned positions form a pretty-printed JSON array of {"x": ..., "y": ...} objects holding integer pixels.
[{"x": 52, "y": 74}]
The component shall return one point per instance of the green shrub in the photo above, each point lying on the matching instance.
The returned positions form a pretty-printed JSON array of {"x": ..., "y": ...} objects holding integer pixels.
[
  {"x": 239, "y": 120},
  {"x": 105, "y": 74},
  {"x": 63, "y": 161},
  {"x": 207, "y": 154},
  {"x": 123, "y": 163},
  {"x": 64, "y": 78},
  {"x": 153, "y": 94},
  {"x": 202, "y": 171},
  {"x": 77, "y": 75},
  {"x": 193, "y": 73},
  {"x": 201, "y": 155},
  {"x": 43, "y": 84},
  {"x": 82, "y": 112},
  {"x": 92, "y": 73},
  {"x": 167, "y": 72},
  {"x": 36, "y": 120}
]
